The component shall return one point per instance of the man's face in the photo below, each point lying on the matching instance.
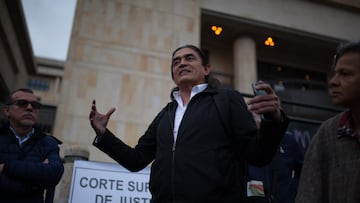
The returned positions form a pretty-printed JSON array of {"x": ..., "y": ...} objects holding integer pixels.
[
  {"x": 187, "y": 68},
  {"x": 344, "y": 84},
  {"x": 20, "y": 113}
]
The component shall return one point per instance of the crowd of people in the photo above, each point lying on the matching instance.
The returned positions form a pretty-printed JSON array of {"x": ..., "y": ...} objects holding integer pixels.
[{"x": 204, "y": 145}]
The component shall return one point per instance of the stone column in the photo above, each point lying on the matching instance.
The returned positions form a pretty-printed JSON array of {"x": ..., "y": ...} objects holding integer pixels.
[
  {"x": 245, "y": 71},
  {"x": 70, "y": 155}
]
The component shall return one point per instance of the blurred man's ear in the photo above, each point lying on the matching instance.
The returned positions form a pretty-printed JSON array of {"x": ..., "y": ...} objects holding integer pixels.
[
  {"x": 207, "y": 69},
  {"x": 6, "y": 110}
]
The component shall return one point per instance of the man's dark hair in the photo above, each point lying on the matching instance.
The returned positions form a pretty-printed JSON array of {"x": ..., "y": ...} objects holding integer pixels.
[
  {"x": 9, "y": 97},
  {"x": 344, "y": 48},
  {"x": 204, "y": 57}
]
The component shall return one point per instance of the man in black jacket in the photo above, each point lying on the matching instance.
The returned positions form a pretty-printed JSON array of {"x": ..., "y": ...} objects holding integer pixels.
[
  {"x": 30, "y": 164},
  {"x": 197, "y": 153}
]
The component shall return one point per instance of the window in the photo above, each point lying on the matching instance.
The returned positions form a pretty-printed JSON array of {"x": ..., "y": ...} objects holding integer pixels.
[{"x": 38, "y": 85}]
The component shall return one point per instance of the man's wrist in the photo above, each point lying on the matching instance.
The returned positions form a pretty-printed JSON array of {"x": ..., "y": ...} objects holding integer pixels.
[
  {"x": 99, "y": 137},
  {"x": 279, "y": 117},
  {"x": 1, "y": 167}
]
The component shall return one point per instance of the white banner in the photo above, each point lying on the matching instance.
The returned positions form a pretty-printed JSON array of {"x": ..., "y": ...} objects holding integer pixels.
[{"x": 100, "y": 182}]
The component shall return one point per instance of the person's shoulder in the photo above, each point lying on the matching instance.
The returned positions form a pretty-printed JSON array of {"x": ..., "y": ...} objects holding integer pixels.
[
  {"x": 328, "y": 127},
  {"x": 332, "y": 120},
  {"x": 226, "y": 91},
  {"x": 47, "y": 137},
  {"x": 53, "y": 138},
  {"x": 4, "y": 128}
]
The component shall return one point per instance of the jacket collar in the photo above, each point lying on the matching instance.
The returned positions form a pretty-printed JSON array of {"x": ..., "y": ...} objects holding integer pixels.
[
  {"x": 209, "y": 90},
  {"x": 6, "y": 131}
]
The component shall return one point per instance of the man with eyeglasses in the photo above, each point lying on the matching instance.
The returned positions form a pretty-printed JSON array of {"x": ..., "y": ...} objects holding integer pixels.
[{"x": 30, "y": 165}]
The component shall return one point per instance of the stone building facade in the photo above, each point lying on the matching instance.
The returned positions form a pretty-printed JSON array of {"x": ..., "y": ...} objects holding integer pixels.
[{"x": 120, "y": 54}]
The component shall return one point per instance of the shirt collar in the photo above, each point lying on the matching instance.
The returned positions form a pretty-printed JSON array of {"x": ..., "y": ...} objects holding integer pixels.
[
  {"x": 195, "y": 90},
  {"x": 22, "y": 139},
  {"x": 346, "y": 126}
]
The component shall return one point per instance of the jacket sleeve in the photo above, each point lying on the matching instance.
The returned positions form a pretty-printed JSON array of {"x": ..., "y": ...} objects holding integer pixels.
[
  {"x": 133, "y": 159},
  {"x": 11, "y": 186},
  {"x": 258, "y": 146},
  {"x": 262, "y": 150},
  {"x": 36, "y": 173}
]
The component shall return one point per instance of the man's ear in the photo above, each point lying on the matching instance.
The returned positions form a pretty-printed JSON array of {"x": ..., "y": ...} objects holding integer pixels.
[{"x": 207, "y": 69}]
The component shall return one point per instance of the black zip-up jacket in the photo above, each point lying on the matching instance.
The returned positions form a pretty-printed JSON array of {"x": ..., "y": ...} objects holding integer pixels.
[{"x": 205, "y": 164}]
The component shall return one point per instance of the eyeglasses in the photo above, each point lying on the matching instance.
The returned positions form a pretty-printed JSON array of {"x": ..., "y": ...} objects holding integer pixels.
[{"x": 24, "y": 103}]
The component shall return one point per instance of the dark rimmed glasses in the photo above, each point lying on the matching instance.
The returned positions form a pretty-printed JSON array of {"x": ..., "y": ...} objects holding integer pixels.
[{"x": 25, "y": 103}]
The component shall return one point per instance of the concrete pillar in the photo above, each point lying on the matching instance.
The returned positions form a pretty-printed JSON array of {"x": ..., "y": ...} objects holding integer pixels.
[
  {"x": 245, "y": 71},
  {"x": 70, "y": 155}
]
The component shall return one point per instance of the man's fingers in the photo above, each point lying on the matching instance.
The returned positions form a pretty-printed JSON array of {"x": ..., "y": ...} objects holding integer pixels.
[
  {"x": 93, "y": 106},
  {"x": 268, "y": 103},
  {"x": 110, "y": 112},
  {"x": 267, "y": 88}
]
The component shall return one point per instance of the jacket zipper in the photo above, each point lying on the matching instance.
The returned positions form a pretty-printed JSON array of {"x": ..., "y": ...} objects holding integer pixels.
[
  {"x": 173, "y": 156},
  {"x": 174, "y": 148},
  {"x": 173, "y": 170}
]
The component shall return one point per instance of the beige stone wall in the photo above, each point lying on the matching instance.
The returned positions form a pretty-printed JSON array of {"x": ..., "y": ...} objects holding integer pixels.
[
  {"x": 120, "y": 54},
  {"x": 49, "y": 97}
]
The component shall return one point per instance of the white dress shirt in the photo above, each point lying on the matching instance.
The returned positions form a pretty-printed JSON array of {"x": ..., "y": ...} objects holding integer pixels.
[{"x": 180, "y": 110}]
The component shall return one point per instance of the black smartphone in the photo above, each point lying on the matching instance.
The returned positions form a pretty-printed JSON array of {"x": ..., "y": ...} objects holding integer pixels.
[
  {"x": 256, "y": 91},
  {"x": 260, "y": 92}
]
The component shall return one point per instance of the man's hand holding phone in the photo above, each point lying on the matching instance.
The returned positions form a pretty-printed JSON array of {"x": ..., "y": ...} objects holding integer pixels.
[
  {"x": 265, "y": 102},
  {"x": 257, "y": 91}
]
